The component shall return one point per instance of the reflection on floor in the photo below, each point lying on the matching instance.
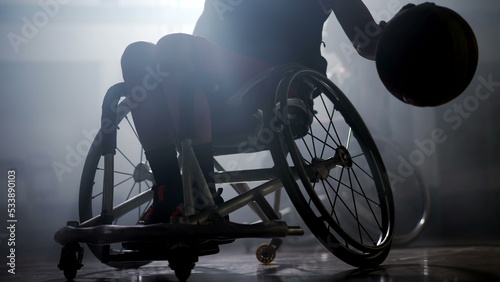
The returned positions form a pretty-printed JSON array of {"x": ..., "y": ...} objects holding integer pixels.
[{"x": 444, "y": 264}]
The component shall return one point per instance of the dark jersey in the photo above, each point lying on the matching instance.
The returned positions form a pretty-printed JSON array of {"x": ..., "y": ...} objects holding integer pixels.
[{"x": 278, "y": 31}]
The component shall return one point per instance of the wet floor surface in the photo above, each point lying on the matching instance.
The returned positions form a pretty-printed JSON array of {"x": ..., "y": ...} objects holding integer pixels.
[{"x": 453, "y": 264}]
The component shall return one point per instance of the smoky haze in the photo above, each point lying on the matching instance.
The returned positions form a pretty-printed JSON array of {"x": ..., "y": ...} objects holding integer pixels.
[{"x": 53, "y": 79}]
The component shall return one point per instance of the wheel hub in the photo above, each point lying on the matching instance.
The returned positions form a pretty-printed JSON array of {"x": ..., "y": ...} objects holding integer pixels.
[
  {"x": 142, "y": 173},
  {"x": 321, "y": 171},
  {"x": 343, "y": 157},
  {"x": 322, "y": 167}
]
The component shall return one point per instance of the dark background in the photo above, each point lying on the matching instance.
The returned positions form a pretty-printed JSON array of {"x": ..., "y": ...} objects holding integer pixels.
[{"x": 51, "y": 89}]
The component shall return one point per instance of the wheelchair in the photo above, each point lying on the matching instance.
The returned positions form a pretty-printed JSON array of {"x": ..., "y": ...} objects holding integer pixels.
[{"x": 323, "y": 156}]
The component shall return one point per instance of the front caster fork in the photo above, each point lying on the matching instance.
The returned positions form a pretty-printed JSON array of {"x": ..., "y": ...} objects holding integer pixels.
[{"x": 71, "y": 260}]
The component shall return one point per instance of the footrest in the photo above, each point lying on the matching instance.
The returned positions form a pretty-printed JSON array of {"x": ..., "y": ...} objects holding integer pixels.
[{"x": 108, "y": 234}]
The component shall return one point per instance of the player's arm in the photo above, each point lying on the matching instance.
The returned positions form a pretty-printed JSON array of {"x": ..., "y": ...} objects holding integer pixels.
[{"x": 358, "y": 24}]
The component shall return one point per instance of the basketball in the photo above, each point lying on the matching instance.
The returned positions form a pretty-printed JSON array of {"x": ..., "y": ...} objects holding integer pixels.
[{"x": 426, "y": 55}]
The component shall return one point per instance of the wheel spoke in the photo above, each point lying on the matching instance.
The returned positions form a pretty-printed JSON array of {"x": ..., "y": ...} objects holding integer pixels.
[
  {"x": 367, "y": 201},
  {"x": 126, "y": 158},
  {"x": 348, "y": 142},
  {"x": 327, "y": 130},
  {"x": 123, "y": 181},
  {"x": 336, "y": 196},
  {"x": 130, "y": 191},
  {"x": 132, "y": 127},
  {"x": 355, "y": 207},
  {"x": 123, "y": 173},
  {"x": 358, "y": 155},
  {"x": 330, "y": 117},
  {"x": 363, "y": 170},
  {"x": 97, "y": 195},
  {"x": 350, "y": 188},
  {"x": 306, "y": 145},
  {"x": 354, "y": 213},
  {"x": 325, "y": 143}
]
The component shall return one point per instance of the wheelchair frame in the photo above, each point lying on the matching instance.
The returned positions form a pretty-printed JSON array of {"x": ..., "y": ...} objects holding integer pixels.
[{"x": 190, "y": 229}]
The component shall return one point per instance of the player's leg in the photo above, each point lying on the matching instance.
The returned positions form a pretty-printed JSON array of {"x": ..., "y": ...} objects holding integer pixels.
[{"x": 153, "y": 124}]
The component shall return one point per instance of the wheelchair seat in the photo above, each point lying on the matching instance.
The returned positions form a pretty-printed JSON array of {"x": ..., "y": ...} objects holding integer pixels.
[{"x": 255, "y": 137}]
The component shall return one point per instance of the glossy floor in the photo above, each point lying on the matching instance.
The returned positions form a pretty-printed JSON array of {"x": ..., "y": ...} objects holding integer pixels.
[{"x": 453, "y": 264}]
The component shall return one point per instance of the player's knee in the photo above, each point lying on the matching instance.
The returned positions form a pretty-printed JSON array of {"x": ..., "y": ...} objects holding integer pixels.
[
  {"x": 136, "y": 57},
  {"x": 174, "y": 52}
]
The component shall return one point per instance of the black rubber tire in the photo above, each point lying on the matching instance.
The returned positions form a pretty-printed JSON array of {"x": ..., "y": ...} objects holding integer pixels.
[
  {"x": 183, "y": 273},
  {"x": 70, "y": 274}
]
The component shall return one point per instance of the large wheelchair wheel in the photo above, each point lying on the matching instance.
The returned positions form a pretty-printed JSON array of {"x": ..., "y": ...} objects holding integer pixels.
[
  {"x": 132, "y": 182},
  {"x": 333, "y": 170}
]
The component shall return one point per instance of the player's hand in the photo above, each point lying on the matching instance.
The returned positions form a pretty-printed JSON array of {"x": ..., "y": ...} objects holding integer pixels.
[{"x": 404, "y": 8}]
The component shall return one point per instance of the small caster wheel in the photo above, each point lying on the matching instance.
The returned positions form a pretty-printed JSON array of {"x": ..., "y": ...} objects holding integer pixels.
[
  {"x": 184, "y": 258},
  {"x": 182, "y": 273},
  {"x": 70, "y": 273},
  {"x": 266, "y": 253},
  {"x": 182, "y": 269},
  {"x": 71, "y": 260}
]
